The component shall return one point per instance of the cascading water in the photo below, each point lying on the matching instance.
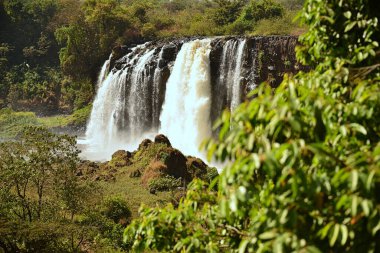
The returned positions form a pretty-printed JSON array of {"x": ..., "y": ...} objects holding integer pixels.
[
  {"x": 104, "y": 72},
  {"x": 230, "y": 74},
  {"x": 117, "y": 109},
  {"x": 138, "y": 100},
  {"x": 185, "y": 116},
  {"x": 138, "y": 104}
]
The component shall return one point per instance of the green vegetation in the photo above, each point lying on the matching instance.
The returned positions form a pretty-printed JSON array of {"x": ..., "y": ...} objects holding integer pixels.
[
  {"x": 50, "y": 201},
  {"x": 305, "y": 175},
  {"x": 11, "y": 122}
]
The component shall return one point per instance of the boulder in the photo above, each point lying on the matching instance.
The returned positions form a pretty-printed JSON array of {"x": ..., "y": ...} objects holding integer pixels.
[
  {"x": 175, "y": 162},
  {"x": 145, "y": 143},
  {"x": 196, "y": 167},
  {"x": 155, "y": 169},
  {"x": 162, "y": 139},
  {"x": 122, "y": 154},
  {"x": 121, "y": 158}
]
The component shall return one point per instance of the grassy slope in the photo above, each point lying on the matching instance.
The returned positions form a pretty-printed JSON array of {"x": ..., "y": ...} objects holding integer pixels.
[{"x": 131, "y": 188}]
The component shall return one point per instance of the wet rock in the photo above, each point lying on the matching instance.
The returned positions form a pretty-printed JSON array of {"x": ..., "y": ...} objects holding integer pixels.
[{"x": 169, "y": 52}]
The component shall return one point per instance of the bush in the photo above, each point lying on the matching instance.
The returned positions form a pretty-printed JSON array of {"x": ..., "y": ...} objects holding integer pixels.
[
  {"x": 252, "y": 13},
  {"x": 284, "y": 25},
  {"x": 116, "y": 209},
  {"x": 165, "y": 183}
]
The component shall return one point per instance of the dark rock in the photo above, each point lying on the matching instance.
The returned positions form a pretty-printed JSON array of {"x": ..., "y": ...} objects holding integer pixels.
[
  {"x": 169, "y": 52},
  {"x": 121, "y": 158},
  {"x": 152, "y": 191},
  {"x": 145, "y": 143},
  {"x": 162, "y": 139},
  {"x": 196, "y": 167},
  {"x": 175, "y": 162}
]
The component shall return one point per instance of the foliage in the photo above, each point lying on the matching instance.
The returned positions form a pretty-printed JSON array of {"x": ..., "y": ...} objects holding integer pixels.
[
  {"x": 38, "y": 162},
  {"x": 11, "y": 122},
  {"x": 40, "y": 86},
  {"x": 165, "y": 183},
  {"x": 100, "y": 25},
  {"x": 116, "y": 209},
  {"x": 306, "y": 157},
  {"x": 39, "y": 191},
  {"x": 280, "y": 26},
  {"x": 253, "y": 12}
]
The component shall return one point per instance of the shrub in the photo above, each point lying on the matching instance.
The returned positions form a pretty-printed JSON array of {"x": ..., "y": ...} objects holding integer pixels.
[
  {"x": 116, "y": 209},
  {"x": 165, "y": 183}
]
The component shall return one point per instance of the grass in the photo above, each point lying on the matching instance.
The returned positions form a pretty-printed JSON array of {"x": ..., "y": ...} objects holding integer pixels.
[
  {"x": 133, "y": 192},
  {"x": 79, "y": 117},
  {"x": 11, "y": 122}
]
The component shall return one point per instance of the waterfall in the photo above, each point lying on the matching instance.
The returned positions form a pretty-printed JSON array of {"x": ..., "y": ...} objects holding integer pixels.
[
  {"x": 138, "y": 103},
  {"x": 236, "y": 81},
  {"x": 163, "y": 88},
  {"x": 185, "y": 116},
  {"x": 101, "y": 134},
  {"x": 156, "y": 92},
  {"x": 229, "y": 78},
  {"x": 104, "y": 71},
  {"x": 120, "y": 111}
]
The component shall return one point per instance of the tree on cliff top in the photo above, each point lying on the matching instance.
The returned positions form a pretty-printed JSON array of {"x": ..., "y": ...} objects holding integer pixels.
[{"x": 305, "y": 175}]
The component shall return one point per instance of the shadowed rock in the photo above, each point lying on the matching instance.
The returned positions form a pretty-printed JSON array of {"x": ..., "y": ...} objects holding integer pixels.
[{"x": 162, "y": 139}]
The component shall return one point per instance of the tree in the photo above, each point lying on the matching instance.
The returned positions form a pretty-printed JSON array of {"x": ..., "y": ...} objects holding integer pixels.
[
  {"x": 40, "y": 193},
  {"x": 306, "y": 157},
  {"x": 227, "y": 11},
  {"x": 253, "y": 12},
  {"x": 36, "y": 168},
  {"x": 89, "y": 40}
]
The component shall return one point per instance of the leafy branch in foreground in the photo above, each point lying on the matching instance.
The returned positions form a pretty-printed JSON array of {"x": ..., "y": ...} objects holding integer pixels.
[{"x": 306, "y": 157}]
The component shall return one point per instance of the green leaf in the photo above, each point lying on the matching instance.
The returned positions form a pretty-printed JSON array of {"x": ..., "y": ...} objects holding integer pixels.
[
  {"x": 347, "y": 14},
  {"x": 350, "y": 26},
  {"x": 335, "y": 235},
  {"x": 358, "y": 128},
  {"x": 312, "y": 249},
  {"x": 344, "y": 231},
  {"x": 243, "y": 246},
  {"x": 354, "y": 179},
  {"x": 268, "y": 235},
  {"x": 354, "y": 206},
  {"x": 365, "y": 207}
]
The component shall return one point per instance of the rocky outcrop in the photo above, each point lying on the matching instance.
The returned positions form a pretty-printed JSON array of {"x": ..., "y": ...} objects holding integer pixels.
[{"x": 159, "y": 166}]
